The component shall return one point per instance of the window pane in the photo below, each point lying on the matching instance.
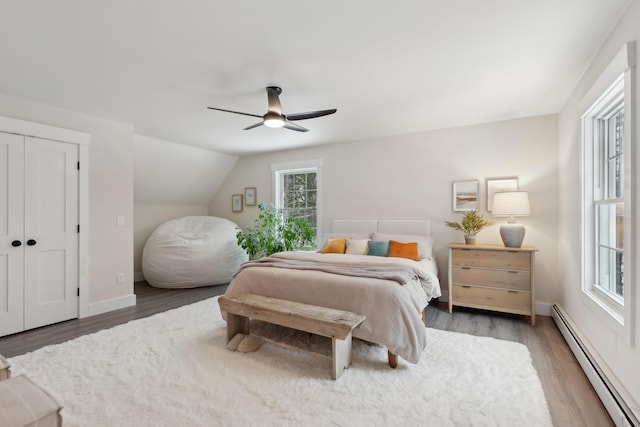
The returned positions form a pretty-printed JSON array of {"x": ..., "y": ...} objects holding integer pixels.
[
  {"x": 610, "y": 225},
  {"x": 615, "y": 144},
  {"x": 312, "y": 199},
  {"x": 620, "y": 226},
  {"x": 615, "y": 125},
  {"x": 311, "y": 181},
  {"x": 611, "y": 271},
  {"x": 288, "y": 182},
  {"x": 615, "y": 178}
]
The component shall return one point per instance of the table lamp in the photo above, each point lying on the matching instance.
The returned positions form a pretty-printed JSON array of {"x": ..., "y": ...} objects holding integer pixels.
[{"x": 511, "y": 204}]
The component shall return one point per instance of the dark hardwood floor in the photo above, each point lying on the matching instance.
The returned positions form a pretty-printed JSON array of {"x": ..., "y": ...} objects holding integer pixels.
[
  {"x": 149, "y": 300},
  {"x": 572, "y": 401}
]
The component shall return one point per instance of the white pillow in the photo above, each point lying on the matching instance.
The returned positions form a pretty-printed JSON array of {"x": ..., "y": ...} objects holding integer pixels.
[
  {"x": 328, "y": 236},
  {"x": 357, "y": 246},
  {"x": 425, "y": 243}
]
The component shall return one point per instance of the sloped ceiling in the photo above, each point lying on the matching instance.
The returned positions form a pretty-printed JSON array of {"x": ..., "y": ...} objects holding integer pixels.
[
  {"x": 389, "y": 67},
  {"x": 173, "y": 174}
]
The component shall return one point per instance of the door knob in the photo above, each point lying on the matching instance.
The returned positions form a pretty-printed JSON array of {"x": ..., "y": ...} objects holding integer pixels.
[
  {"x": 16, "y": 243},
  {"x": 31, "y": 242}
]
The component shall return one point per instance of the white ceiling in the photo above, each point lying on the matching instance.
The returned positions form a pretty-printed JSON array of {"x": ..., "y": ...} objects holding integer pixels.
[{"x": 389, "y": 67}]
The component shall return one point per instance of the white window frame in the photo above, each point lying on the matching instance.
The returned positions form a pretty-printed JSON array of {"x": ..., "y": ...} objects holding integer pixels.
[
  {"x": 280, "y": 169},
  {"x": 616, "y": 82}
]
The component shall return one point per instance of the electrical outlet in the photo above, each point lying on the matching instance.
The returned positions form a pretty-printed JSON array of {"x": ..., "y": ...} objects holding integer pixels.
[{"x": 120, "y": 278}]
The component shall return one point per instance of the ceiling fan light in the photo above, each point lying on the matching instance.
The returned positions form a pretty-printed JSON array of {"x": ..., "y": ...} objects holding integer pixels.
[{"x": 273, "y": 120}]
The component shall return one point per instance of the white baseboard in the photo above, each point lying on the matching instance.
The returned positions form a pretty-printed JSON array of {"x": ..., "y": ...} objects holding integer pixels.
[
  {"x": 138, "y": 277},
  {"x": 111, "y": 304},
  {"x": 615, "y": 400},
  {"x": 544, "y": 309}
]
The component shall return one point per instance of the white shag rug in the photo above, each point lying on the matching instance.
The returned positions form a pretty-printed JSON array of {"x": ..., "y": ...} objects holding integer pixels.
[{"x": 173, "y": 369}]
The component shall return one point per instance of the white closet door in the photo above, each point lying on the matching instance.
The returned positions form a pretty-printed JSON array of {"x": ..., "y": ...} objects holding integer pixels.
[
  {"x": 50, "y": 232},
  {"x": 11, "y": 230}
]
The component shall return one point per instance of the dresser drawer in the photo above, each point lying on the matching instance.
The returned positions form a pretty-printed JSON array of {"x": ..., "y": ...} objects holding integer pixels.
[
  {"x": 492, "y": 299},
  {"x": 508, "y": 260},
  {"x": 504, "y": 279}
]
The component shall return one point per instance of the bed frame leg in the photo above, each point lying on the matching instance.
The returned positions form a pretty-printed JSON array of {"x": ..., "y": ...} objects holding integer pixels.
[{"x": 393, "y": 359}]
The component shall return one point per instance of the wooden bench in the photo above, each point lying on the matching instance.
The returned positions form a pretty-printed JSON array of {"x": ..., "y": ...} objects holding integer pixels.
[
  {"x": 5, "y": 369},
  {"x": 328, "y": 322}
]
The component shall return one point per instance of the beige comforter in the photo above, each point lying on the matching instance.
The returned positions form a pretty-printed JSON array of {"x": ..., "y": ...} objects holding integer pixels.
[{"x": 393, "y": 310}]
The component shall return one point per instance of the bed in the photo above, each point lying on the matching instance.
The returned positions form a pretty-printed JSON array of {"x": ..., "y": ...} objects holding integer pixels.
[{"x": 393, "y": 309}]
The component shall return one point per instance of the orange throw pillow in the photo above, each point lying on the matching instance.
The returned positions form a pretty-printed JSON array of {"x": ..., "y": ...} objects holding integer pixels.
[
  {"x": 335, "y": 246},
  {"x": 404, "y": 250}
]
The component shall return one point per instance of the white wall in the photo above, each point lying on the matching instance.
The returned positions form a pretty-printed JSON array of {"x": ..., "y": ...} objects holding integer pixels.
[
  {"x": 171, "y": 181},
  {"x": 620, "y": 358},
  {"x": 410, "y": 177},
  {"x": 110, "y": 195}
]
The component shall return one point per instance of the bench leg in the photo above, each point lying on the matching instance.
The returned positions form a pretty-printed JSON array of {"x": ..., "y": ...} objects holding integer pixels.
[
  {"x": 341, "y": 355},
  {"x": 236, "y": 324},
  {"x": 393, "y": 359}
]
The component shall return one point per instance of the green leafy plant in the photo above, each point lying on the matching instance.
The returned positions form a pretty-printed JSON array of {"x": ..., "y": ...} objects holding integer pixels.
[
  {"x": 273, "y": 233},
  {"x": 471, "y": 224}
]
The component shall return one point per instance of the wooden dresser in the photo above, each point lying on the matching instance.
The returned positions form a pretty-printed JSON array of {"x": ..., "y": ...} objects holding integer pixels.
[{"x": 492, "y": 277}]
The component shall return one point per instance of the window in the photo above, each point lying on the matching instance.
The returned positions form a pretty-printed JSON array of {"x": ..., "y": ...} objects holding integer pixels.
[
  {"x": 297, "y": 191},
  {"x": 606, "y": 197},
  {"x": 604, "y": 201}
]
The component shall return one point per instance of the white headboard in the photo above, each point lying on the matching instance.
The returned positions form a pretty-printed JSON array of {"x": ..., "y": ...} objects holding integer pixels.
[{"x": 388, "y": 226}]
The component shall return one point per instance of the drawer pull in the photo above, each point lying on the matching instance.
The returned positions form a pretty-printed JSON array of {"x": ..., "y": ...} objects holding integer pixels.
[
  {"x": 512, "y": 292},
  {"x": 466, "y": 268},
  {"x": 513, "y": 272},
  {"x": 466, "y": 286}
]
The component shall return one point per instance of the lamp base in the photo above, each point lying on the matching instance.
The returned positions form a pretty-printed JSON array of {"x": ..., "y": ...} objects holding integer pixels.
[{"x": 512, "y": 235}]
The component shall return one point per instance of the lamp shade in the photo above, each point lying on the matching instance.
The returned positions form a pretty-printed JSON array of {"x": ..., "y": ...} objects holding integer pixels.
[{"x": 511, "y": 203}]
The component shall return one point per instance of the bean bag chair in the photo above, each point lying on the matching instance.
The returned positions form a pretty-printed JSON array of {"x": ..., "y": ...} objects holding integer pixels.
[{"x": 192, "y": 251}]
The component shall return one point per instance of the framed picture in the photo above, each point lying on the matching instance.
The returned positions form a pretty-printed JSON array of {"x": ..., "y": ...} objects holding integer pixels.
[
  {"x": 250, "y": 196},
  {"x": 494, "y": 185},
  {"x": 465, "y": 195},
  {"x": 236, "y": 203}
]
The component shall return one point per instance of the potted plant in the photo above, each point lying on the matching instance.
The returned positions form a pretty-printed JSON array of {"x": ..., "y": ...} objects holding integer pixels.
[
  {"x": 273, "y": 233},
  {"x": 471, "y": 224}
]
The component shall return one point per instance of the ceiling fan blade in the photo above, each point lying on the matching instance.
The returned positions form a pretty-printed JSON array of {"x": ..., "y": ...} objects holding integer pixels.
[
  {"x": 253, "y": 126},
  {"x": 234, "y": 112},
  {"x": 293, "y": 126},
  {"x": 274, "y": 99},
  {"x": 310, "y": 114}
]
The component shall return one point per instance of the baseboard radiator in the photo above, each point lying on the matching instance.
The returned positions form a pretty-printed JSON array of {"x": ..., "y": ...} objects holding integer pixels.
[{"x": 612, "y": 399}]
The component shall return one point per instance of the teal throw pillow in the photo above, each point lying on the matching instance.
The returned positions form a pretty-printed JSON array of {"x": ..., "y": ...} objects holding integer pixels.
[{"x": 379, "y": 248}]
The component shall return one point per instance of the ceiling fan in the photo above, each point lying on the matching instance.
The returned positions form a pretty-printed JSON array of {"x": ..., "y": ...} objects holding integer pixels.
[{"x": 274, "y": 117}]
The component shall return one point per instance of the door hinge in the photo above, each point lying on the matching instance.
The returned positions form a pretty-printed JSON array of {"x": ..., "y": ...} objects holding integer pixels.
[
  {"x": 78, "y": 291},
  {"x": 78, "y": 228},
  {"x": 78, "y": 165}
]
